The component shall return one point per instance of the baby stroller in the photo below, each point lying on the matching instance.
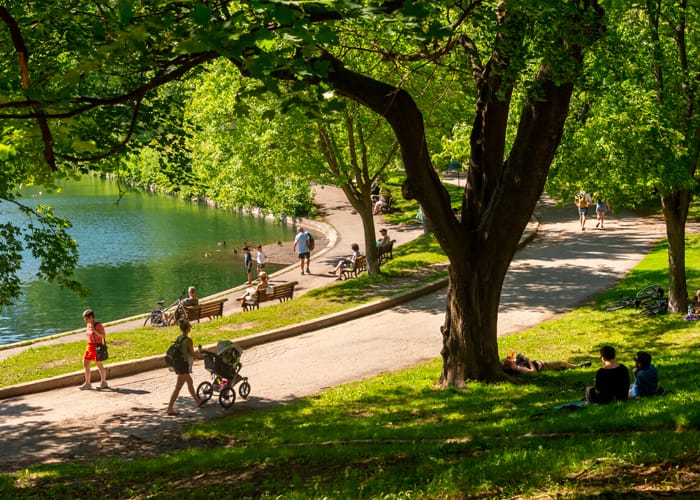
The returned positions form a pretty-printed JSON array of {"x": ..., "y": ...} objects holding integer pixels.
[{"x": 224, "y": 365}]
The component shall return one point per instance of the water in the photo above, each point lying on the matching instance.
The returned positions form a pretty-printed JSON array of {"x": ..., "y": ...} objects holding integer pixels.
[{"x": 144, "y": 249}]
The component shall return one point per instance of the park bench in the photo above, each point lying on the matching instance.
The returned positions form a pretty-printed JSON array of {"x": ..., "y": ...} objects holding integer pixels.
[
  {"x": 281, "y": 292},
  {"x": 354, "y": 270},
  {"x": 386, "y": 252},
  {"x": 209, "y": 309}
]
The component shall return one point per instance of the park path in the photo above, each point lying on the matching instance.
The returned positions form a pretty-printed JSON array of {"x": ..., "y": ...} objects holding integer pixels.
[{"x": 559, "y": 268}]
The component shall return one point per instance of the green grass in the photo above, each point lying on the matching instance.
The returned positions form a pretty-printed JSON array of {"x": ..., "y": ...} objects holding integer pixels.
[
  {"x": 405, "y": 211},
  {"x": 395, "y": 436},
  {"x": 58, "y": 359}
]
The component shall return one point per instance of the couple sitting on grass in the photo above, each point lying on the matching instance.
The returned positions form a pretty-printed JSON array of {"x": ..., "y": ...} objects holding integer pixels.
[{"x": 612, "y": 382}]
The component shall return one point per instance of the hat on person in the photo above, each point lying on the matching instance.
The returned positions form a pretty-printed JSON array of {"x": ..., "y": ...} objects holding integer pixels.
[{"x": 382, "y": 230}]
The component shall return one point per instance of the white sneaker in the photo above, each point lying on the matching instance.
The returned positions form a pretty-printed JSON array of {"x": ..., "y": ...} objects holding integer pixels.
[
  {"x": 103, "y": 385},
  {"x": 85, "y": 386}
]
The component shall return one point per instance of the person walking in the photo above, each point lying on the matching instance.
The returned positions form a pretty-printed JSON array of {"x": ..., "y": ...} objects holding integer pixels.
[
  {"x": 601, "y": 206},
  {"x": 96, "y": 334},
  {"x": 301, "y": 246},
  {"x": 184, "y": 375},
  {"x": 582, "y": 201}
]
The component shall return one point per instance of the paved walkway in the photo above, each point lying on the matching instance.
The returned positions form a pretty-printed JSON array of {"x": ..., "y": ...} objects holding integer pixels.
[
  {"x": 561, "y": 267},
  {"x": 342, "y": 227}
]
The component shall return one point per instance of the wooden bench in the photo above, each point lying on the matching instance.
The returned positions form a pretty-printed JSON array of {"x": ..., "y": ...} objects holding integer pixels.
[
  {"x": 386, "y": 252},
  {"x": 206, "y": 310},
  {"x": 354, "y": 270},
  {"x": 281, "y": 292}
]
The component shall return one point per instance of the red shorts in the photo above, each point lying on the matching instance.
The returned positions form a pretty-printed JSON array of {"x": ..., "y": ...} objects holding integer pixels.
[{"x": 90, "y": 352}]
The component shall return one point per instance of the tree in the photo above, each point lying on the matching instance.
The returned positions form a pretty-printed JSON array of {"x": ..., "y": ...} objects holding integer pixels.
[
  {"x": 643, "y": 94},
  {"x": 536, "y": 44}
]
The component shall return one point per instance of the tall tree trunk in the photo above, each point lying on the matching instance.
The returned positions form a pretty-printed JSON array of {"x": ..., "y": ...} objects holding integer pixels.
[
  {"x": 362, "y": 203},
  {"x": 675, "y": 206},
  {"x": 498, "y": 199}
]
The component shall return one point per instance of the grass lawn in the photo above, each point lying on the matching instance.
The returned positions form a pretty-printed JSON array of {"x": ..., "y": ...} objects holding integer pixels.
[{"x": 395, "y": 436}]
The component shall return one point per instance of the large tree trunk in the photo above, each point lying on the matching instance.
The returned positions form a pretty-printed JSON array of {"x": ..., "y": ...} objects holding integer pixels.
[
  {"x": 675, "y": 206},
  {"x": 498, "y": 199}
]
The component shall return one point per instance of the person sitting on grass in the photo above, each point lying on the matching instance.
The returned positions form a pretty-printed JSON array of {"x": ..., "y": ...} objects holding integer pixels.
[
  {"x": 646, "y": 378},
  {"x": 346, "y": 263},
  {"x": 612, "y": 381},
  {"x": 515, "y": 364}
]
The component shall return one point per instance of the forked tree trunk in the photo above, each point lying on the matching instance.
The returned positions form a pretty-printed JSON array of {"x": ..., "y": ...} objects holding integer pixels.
[{"x": 499, "y": 195}]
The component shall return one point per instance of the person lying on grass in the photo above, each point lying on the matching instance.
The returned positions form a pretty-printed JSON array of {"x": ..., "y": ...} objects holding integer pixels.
[{"x": 515, "y": 364}]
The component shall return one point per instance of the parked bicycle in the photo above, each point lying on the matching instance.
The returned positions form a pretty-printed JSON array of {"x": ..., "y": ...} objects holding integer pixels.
[
  {"x": 166, "y": 316},
  {"x": 648, "y": 298},
  {"x": 654, "y": 306}
]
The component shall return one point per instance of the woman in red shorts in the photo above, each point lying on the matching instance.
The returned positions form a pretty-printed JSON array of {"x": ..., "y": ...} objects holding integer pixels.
[{"x": 95, "y": 335}]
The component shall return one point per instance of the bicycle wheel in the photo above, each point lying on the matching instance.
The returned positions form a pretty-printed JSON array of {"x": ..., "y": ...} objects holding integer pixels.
[
  {"x": 654, "y": 307},
  {"x": 244, "y": 389},
  {"x": 148, "y": 319},
  {"x": 180, "y": 313},
  {"x": 616, "y": 305},
  {"x": 227, "y": 397},
  {"x": 649, "y": 291},
  {"x": 204, "y": 391}
]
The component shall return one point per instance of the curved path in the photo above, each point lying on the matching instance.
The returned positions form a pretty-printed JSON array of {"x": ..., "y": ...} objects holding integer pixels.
[{"x": 558, "y": 269}]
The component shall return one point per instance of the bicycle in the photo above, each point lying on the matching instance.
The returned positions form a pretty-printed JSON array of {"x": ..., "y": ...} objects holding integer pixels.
[
  {"x": 648, "y": 292},
  {"x": 161, "y": 317},
  {"x": 654, "y": 304}
]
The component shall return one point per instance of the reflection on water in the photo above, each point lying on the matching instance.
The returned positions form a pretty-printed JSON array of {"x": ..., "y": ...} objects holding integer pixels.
[{"x": 143, "y": 249}]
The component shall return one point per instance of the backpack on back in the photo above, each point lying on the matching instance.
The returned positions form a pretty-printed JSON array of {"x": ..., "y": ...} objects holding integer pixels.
[
  {"x": 175, "y": 358},
  {"x": 310, "y": 241}
]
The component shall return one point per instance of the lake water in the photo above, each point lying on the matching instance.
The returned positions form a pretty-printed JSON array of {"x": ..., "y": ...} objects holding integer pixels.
[{"x": 144, "y": 249}]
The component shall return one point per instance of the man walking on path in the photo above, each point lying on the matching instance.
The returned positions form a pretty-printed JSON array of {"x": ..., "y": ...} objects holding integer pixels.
[{"x": 301, "y": 246}]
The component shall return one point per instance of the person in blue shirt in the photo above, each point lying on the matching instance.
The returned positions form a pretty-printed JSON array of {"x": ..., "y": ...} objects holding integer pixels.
[
  {"x": 646, "y": 378},
  {"x": 301, "y": 246}
]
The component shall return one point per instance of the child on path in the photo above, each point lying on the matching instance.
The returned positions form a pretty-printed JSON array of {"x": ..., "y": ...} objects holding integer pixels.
[
  {"x": 260, "y": 259},
  {"x": 248, "y": 263}
]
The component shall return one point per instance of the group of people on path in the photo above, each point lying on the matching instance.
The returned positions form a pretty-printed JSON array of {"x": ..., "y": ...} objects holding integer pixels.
[
  {"x": 612, "y": 380},
  {"x": 583, "y": 201}
]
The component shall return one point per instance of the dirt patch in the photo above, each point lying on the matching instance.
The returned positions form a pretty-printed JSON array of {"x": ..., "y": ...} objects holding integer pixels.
[{"x": 280, "y": 253}]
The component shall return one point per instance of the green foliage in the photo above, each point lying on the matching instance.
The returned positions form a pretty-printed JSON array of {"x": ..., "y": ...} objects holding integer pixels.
[{"x": 630, "y": 133}]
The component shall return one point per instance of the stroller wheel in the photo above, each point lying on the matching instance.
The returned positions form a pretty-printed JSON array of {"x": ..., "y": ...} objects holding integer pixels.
[
  {"x": 205, "y": 390},
  {"x": 227, "y": 396},
  {"x": 244, "y": 389}
]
